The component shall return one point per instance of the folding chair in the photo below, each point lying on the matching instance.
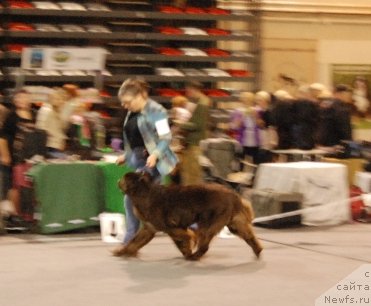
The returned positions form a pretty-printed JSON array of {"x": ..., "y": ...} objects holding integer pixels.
[{"x": 221, "y": 163}]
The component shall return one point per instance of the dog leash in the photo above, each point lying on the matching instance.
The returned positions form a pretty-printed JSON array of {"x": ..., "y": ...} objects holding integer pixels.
[{"x": 300, "y": 211}]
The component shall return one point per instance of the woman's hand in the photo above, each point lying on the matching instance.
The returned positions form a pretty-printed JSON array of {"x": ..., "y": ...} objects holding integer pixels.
[
  {"x": 120, "y": 160},
  {"x": 151, "y": 161}
]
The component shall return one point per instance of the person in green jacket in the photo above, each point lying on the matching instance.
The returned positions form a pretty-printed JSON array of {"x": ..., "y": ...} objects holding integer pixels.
[{"x": 194, "y": 130}]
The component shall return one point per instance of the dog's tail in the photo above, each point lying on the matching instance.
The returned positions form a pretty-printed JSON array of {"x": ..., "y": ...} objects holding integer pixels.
[{"x": 248, "y": 209}]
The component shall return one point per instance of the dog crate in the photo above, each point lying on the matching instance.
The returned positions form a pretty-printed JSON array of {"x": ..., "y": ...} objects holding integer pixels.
[{"x": 269, "y": 203}]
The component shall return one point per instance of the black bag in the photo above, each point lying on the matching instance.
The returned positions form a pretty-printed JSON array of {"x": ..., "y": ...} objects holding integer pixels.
[{"x": 34, "y": 144}]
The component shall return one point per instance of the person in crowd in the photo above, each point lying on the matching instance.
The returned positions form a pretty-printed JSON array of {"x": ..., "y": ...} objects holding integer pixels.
[
  {"x": 194, "y": 130},
  {"x": 179, "y": 114},
  {"x": 304, "y": 93},
  {"x": 267, "y": 133},
  {"x": 75, "y": 115},
  {"x": 244, "y": 126},
  {"x": 335, "y": 117},
  {"x": 17, "y": 126},
  {"x": 315, "y": 91},
  {"x": 283, "y": 118},
  {"x": 360, "y": 96},
  {"x": 263, "y": 106},
  {"x": 72, "y": 101},
  {"x": 3, "y": 114},
  {"x": 52, "y": 118},
  {"x": 147, "y": 138},
  {"x": 179, "y": 110},
  {"x": 237, "y": 124},
  {"x": 305, "y": 120},
  {"x": 343, "y": 106}
]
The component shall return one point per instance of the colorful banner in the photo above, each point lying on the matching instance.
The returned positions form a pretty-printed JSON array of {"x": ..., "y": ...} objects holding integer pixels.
[{"x": 63, "y": 58}]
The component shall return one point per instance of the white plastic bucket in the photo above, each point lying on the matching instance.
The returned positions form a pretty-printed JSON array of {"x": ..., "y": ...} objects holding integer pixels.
[{"x": 112, "y": 227}]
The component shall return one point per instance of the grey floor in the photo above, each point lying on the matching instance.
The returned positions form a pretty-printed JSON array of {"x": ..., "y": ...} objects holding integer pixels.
[{"x": 297, "y": 266}]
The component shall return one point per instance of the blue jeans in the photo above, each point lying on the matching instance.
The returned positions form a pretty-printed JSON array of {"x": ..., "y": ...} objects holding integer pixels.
[{"x": 138, "y": 162}]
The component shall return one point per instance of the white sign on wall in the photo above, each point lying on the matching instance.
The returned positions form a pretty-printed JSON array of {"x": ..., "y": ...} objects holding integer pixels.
[{"x": 63, "y": 58}]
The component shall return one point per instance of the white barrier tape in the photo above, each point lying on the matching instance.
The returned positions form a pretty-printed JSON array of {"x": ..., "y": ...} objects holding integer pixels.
[{"x": 299, "y": 211}]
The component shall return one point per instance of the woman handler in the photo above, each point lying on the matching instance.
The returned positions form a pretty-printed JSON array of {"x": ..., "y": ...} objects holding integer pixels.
[{"x": 147, "y": 139}]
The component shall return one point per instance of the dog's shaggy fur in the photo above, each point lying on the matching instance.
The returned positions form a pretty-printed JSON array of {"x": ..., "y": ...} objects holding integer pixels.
[{"x": 175, "y": 208}]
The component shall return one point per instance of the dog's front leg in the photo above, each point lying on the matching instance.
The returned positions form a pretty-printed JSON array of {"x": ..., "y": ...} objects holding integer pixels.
[
  {"x": 141, "y": 238},
  {"x": 183, "y": 239}
]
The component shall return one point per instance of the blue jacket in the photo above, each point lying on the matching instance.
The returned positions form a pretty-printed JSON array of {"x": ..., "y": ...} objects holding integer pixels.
[{"x": 153, "y": 114}]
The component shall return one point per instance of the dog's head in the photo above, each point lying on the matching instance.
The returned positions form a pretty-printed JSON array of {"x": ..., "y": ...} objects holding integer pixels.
[{"x": 134, "y": 183}]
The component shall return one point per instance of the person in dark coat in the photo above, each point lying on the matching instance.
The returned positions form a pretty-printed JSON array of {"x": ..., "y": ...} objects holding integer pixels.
[
  {"x": 305, "y": 120},
  {"x": 335, "y": 117},
  {"x": 282, "y": 119}
]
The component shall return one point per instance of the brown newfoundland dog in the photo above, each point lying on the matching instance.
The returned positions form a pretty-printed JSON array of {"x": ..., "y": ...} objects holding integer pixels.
[{"x": 175, "y": 208}]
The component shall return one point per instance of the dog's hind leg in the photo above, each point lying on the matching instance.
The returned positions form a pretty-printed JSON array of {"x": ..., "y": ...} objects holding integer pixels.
[
  {"x": 184, "y": 240},
  {"x": 240, "y": 226},
  {"x": 141, "y": 238},
  {"x": 204, "y": 239}
]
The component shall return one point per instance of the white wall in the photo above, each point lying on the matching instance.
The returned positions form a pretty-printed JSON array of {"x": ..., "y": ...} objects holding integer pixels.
[
  {"x": 340, "y": 52},
  {"x": 310, "y": 43}
]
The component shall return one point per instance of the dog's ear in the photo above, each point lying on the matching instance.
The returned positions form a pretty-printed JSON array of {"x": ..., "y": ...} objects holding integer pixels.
[{"x": 126, "y": 179}]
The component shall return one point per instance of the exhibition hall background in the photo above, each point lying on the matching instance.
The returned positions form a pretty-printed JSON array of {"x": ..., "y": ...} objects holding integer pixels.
[{"x": 303, "y": 39}]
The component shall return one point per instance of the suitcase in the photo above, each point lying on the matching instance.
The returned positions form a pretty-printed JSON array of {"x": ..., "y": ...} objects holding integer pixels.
[{"x": 268, "y": 202}]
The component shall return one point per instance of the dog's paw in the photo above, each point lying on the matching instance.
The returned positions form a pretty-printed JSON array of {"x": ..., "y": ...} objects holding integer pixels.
[
  {"x": 258, "y": 252},
  {"x": 119, "y": 251},
  {"x": 192, "y": 257},
  {"x": 130, "y": 254},
  {"x": 123, "y": 250}
]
